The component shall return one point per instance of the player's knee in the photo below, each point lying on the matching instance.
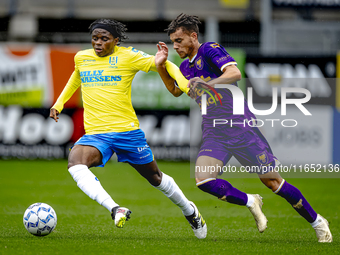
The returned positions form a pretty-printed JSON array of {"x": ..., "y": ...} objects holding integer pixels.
[
  {"x": 70, "y": 164},
  {"x": 154, "y": 180},
  {"x": 200, "y": 183},
  {"x": 89, "y": 162},
  {"x": 272, "y": 184},
  {"x": 198, "y": 180},
  {"x": 73, "y": 161}
]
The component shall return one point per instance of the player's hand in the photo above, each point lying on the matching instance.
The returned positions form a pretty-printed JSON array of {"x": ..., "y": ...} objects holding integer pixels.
[
  {"x": 54, "y": 114},
  {"x": 162, "y": 54},
  {"x": 195, "y": 84}
]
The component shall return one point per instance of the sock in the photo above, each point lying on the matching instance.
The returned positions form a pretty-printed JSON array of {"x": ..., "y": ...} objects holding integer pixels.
[
  {"x": 223, "y": 190},
  {"x": 297, "y": 200},
  {"x": 317, "y": 221},
  {"x": 251, "y": 200},
  {"x": 91, "y": 186},
  {"x": 169, "y": 188}
]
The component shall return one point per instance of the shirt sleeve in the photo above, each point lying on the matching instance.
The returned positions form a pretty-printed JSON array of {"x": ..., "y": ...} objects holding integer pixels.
[
  {"x": 72, "y": 85},
  {"x": 219, "y": 56},
  {"x": 180, "y": 81},
  {"x": 176, "y": 74},
  {"x": 141, "y": 61}
]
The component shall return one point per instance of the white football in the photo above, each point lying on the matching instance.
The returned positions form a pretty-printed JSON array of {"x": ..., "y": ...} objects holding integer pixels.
[{"x": 40, "y": 219}]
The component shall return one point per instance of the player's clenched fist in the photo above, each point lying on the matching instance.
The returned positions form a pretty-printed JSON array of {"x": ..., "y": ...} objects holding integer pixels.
[{"x": 54, "y": 114}]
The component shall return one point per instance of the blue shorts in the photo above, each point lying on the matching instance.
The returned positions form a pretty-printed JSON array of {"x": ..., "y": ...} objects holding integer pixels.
[{"x": 130, "y": 146}]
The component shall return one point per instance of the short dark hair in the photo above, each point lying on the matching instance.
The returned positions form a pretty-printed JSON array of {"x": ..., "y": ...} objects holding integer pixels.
[
  {"x": 186, "y": 22},
  {"x": 116, "y": 25}
]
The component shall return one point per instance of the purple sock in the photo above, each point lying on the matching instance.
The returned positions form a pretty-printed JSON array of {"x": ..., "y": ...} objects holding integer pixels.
[
  {"x": 298, "y": 201},
  {"x": 224, "y": 190}
]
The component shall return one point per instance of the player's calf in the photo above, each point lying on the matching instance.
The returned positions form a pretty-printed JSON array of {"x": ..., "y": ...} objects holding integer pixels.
[
  {"x": 226, "y": 192},
  {"x": 294, "y": 196}
]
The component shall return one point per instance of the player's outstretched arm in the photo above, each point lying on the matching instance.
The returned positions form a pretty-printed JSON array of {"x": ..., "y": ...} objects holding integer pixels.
[
  {"x": 160, "y": 60},
  {"x": 231, "y": 74},
  {"x": 162, "y": 54},
  {"x": 164, "y": 66},
  {"x": 71, "y": 87}
]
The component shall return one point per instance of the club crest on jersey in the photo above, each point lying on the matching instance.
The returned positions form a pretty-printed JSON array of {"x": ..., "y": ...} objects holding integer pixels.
[
  {"x": 199, "y": 63},
  {"x": 262, "y": 158},
  {"x": 113, "y": 60}
]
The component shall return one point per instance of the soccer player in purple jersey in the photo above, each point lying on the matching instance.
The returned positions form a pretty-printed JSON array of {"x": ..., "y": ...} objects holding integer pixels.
[{"x": 209, "y": 64}]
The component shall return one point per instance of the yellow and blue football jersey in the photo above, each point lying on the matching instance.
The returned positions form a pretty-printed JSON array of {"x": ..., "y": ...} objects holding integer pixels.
[{"x": 106, "y": 88}]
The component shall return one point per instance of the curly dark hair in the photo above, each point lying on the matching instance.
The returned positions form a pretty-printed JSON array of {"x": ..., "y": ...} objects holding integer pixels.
[
  {"x": 187, "y": 22},
  {"x": 116, "y": 25}
]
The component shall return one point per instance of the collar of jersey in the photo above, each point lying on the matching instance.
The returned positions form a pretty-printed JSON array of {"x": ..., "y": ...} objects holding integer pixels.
[{"x": 193, "y": 58}]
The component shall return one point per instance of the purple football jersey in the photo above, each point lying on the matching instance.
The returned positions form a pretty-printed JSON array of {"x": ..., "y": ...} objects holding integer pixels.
[{"x": 211, "y": 58}]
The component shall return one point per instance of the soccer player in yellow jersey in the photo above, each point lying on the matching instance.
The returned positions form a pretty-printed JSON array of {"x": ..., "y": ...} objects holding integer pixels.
[{"x": 105, "y": 74}]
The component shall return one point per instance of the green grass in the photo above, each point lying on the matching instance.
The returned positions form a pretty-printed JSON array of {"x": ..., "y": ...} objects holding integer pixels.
[{"x": 157, "y": 226}]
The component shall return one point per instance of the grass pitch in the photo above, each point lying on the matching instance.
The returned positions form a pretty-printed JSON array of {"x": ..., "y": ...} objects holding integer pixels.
[{"x": 157, "y": 226}]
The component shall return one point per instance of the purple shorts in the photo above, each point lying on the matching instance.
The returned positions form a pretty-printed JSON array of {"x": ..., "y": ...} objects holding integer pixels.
[{"x": 250, "y": 149}]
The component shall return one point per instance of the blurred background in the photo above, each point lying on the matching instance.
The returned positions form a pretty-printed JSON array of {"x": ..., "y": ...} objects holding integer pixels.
[{"x": 277, "y": 43}]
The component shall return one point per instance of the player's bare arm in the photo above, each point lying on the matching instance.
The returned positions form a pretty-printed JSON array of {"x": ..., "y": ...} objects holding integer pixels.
[
  {"x": 160, "y": 59},
  {"x": 54, "y": 114},
  {"x": 231, "y": 74}
]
